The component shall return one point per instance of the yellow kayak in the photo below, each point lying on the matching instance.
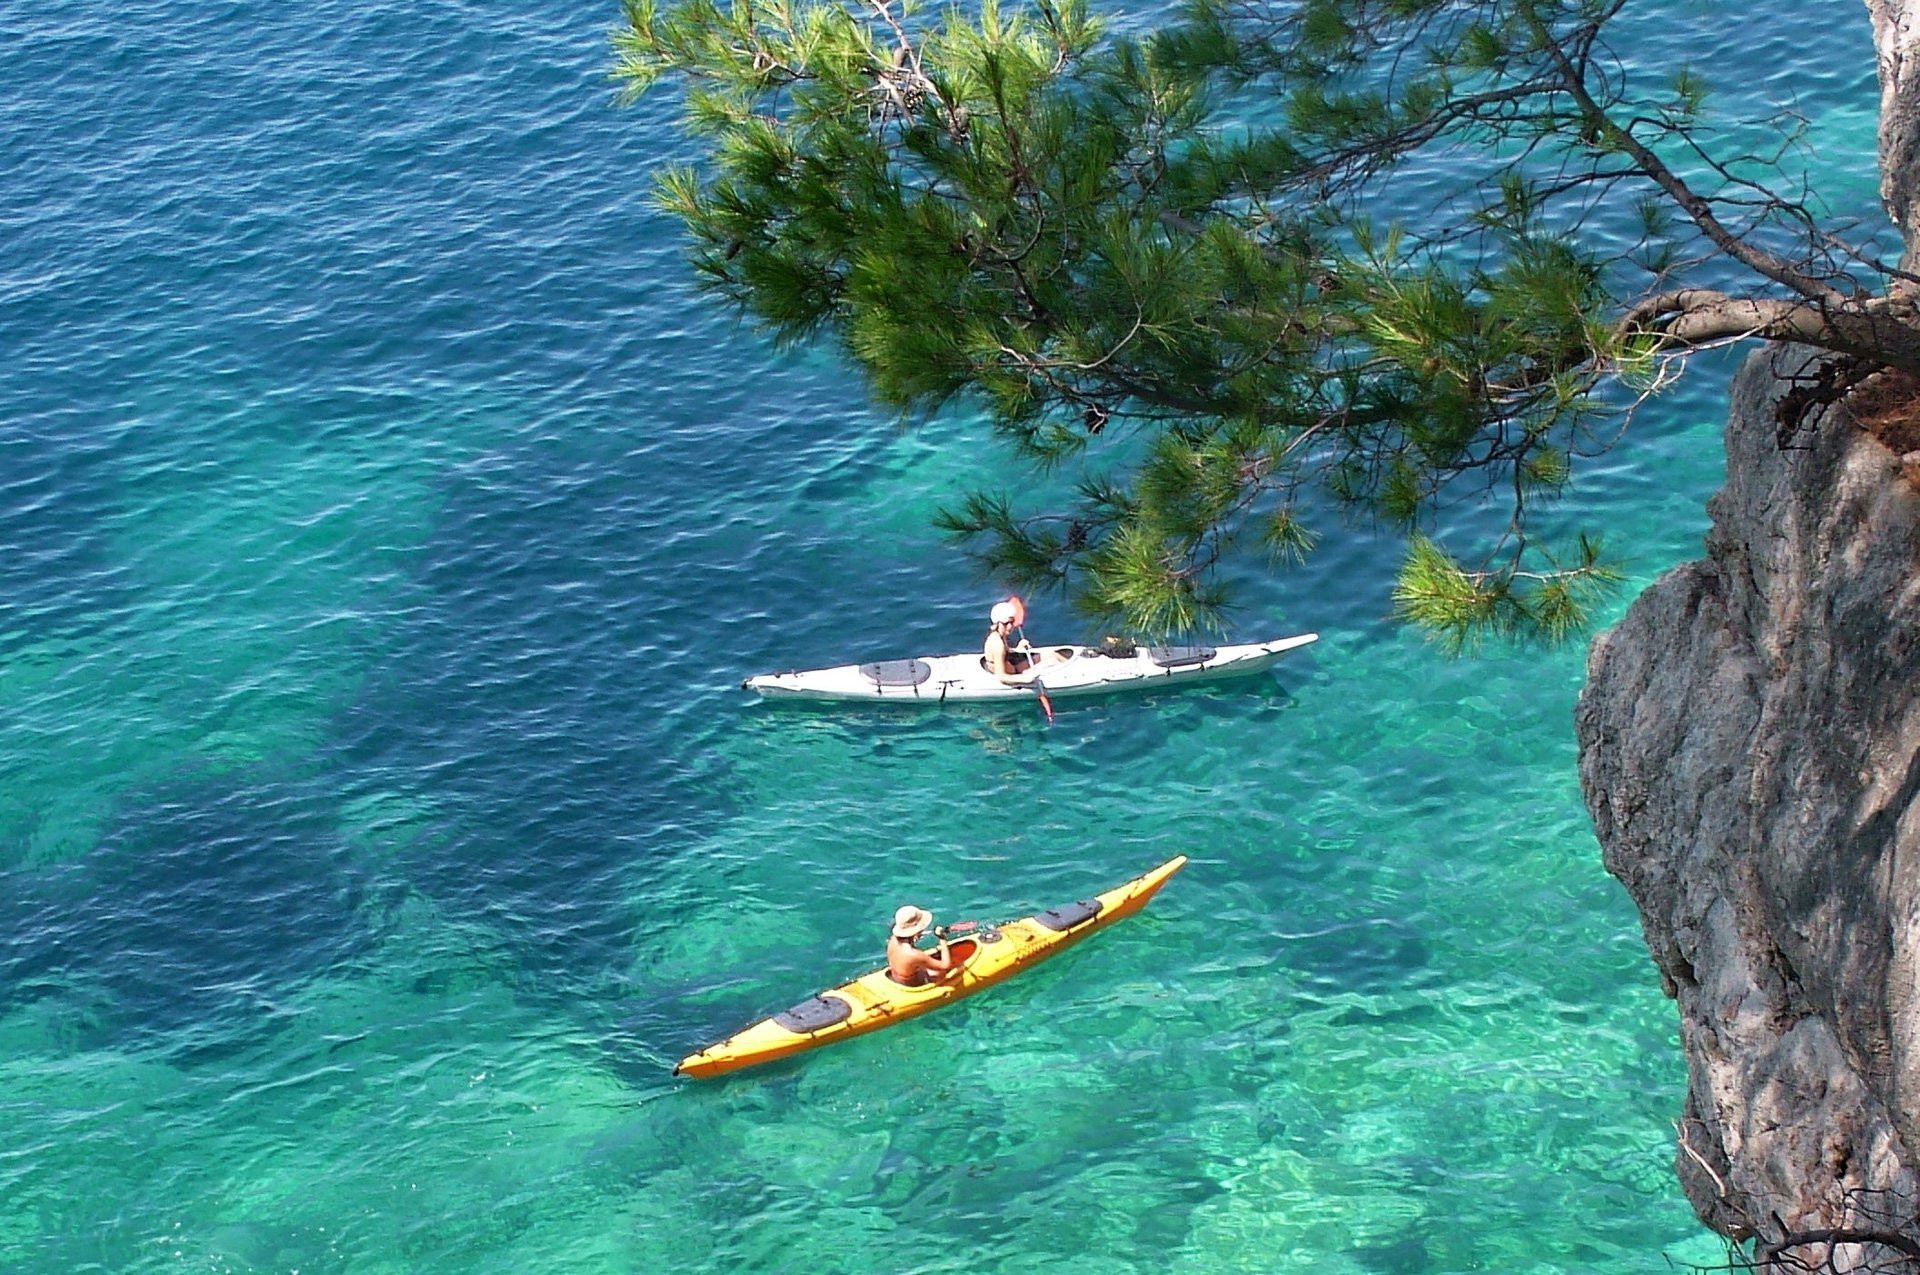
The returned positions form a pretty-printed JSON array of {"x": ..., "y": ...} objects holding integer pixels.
[{"x": 990, "y": 955}]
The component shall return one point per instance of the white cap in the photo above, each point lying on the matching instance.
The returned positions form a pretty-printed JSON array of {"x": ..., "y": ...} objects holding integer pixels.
[{"x": 1003, "y": 613}]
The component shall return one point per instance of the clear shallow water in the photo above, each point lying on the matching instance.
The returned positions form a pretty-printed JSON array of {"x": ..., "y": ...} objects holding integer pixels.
[{"x": 384, "y": 527}]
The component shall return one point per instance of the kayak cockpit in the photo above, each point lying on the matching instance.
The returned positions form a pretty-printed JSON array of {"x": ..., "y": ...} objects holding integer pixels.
[
  {"x": 1061, "y": 654},
  {"x": 962, "y": 951}
]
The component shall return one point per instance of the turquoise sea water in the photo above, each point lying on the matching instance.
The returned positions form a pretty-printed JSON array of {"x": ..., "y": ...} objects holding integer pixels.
[{"x": 384, "y": 527}]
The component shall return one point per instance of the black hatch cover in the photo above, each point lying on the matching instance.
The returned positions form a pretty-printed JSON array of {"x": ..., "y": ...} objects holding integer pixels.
[
  {"x": 1068, "y": 915},
  {"x": 812, "y": 1014},
  {"x": 1180, "y": 656},
  {"x": 897, "y": 672}
]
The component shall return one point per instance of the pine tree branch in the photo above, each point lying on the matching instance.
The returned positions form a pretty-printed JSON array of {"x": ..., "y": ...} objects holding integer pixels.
[{"x": 1697, "y": 208}]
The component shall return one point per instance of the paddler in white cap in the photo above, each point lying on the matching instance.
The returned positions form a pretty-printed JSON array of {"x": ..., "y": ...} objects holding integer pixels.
[
  {"x": 1007, "y": 660},
  {"x": 907, "y": 964}
]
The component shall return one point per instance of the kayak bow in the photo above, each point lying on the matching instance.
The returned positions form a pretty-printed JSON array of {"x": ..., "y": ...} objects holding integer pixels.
[{"x": 990, "y": 955}]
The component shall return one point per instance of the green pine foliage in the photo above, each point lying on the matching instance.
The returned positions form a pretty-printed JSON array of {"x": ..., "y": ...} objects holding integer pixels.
[
  {"x": 1460, "y": 608},
  {"x": 1150, "y": 261}
]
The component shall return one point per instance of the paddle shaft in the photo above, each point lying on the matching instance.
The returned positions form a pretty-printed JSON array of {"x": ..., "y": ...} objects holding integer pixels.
[{"x": 1033, "y": 662}]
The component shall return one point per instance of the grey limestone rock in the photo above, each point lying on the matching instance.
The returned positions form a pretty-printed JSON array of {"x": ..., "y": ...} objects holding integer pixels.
[
  {"x": 1896, "y": 39},
  {"x": 1750, "y": 753}
]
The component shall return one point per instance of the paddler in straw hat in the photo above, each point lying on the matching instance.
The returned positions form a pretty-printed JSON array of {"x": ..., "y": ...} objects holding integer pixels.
[
  {"x": 1007, "y": 660},
  {"x": 907, "y": 964}
]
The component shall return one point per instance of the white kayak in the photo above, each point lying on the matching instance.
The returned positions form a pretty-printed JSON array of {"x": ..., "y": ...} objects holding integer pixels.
[{"x": 1075, "y": 670}]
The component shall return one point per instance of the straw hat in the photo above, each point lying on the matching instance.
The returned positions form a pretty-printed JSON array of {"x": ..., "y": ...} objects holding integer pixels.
[{"x": 910, "y": 922}]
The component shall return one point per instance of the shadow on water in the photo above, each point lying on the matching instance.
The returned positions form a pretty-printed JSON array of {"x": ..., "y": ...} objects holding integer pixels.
[
  {"x": 510, "y": 710},
  {"x": 1406, "y": 1255},
  {"x": 1378, "y": 955},
  {"x": 529, "y": 697},
  {"x": 197, "y": 909},
  {"x": 1084, "y": 732}
]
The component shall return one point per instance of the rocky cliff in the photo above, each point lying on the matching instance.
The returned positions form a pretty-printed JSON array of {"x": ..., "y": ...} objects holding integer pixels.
[{"x": 1750, "y": 752}]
